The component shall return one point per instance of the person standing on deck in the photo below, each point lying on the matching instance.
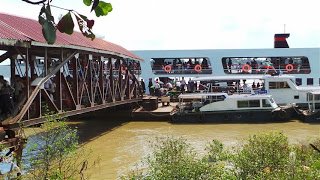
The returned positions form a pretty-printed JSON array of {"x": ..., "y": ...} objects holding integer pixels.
[
  {"x": 230, "y": 64},
  {"x": 6, "y": 101},
  {"x": 150, "y": 86},
  {"x": 157, "y": 88},
  {"x": 182, "y": 85},
  {"x": 143, "y": 86}
]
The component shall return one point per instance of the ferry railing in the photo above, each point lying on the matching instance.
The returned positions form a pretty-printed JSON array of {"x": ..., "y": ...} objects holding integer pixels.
[
  {"x": 183, "y": 71},
  {"x": 239, "y": 70},
  {"x": 234, "y": 89}
]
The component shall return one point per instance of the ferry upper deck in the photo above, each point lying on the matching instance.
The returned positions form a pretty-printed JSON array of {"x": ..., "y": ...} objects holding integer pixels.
[{"x": 303, "y": 63}]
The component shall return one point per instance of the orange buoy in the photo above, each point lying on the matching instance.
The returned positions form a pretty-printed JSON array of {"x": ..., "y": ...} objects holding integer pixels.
[
  {"x": 246, "y": 68},
  {"x": 198, "y": 68},
  {"x": 167, "y": 68},
  {"x": 289, "y": 67}
]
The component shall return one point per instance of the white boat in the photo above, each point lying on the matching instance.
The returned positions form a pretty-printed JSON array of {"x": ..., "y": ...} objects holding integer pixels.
[
  {"x": 312, "y": 112},
  {"x": 221, "y": 107},
  {"x": 302, "y": 63},
  {"x": 282, "y": 87}
]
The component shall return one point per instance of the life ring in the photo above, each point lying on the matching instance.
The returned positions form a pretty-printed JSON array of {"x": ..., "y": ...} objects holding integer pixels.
[
  {"x": 246, "y": 68},
  {"x": 289, "y": 67},
  {"x": 198, "y": 68},
  {"x": 167, "y": 68}
]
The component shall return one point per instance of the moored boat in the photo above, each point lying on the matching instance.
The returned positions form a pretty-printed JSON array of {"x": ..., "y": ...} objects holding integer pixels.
[
  {"x": 311, "y": 114},
  {"x": 221, "y": 107}
]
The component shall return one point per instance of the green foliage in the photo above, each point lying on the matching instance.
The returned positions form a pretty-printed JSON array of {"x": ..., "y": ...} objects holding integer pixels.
[
  {"x": 66, "y": 24},
  {"x": 95, "y": 4},
  {"x": 84, "y": 26},
  {"x": 87, "y": 2},
  {"x": 263, "y": 153},
  {"x": 55, "y": 153},
  {"x": 102, "y": 9},
  {"x": 48, "y": 26},
  {"x": 215, "y": 151},
  {"x": 53, "y": 147},
  {"x": 266, "y": 155},
  {"x": 175, "y": 159}
]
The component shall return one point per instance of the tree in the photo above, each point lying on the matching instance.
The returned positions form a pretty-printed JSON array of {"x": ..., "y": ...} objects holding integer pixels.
[
  {"x": 66, "y": 23},
  {"x": 54, "y": 153}
]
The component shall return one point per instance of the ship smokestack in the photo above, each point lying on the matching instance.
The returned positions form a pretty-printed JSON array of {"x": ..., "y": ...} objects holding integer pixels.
[{"x": 280, "y": 40}]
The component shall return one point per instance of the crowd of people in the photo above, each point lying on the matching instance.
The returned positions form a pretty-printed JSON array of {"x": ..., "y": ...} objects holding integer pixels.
[
  {"x": 13, "y": 94},
  {"x": 179, "y": 65},
  {"x": 159, "y": 88}
]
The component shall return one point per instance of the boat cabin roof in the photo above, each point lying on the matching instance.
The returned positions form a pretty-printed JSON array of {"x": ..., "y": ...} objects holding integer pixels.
[
  {"x": 314, "y": 92},
  {"x": 200, "y": 95}
]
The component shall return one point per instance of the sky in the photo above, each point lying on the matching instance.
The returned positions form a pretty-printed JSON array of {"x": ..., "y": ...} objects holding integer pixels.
[{"x": 201, "y": 24}]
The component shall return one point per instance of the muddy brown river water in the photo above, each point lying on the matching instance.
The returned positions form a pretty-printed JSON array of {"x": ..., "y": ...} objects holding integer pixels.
[{"x": 122, "y": 144}]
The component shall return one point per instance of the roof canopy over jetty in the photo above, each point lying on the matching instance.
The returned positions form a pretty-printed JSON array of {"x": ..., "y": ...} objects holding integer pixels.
[
  {"x": 19, "y": 31},
  {"x": 88, "y": 75}
]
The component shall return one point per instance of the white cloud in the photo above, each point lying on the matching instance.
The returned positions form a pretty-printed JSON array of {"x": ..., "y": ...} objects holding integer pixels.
[{"x": 202, "y": 24}]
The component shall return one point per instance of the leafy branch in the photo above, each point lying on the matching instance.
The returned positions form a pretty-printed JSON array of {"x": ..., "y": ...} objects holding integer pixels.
[
  {"x": 37, "y": 2},
  {"x": 66, "y": 23}
]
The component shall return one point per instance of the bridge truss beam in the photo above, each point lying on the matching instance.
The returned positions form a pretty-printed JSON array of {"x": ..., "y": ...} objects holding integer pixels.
[{"x": 69, "y": 81}]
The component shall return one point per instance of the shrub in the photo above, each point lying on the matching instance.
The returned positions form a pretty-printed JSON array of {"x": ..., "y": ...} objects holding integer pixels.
[
  {"x": 54, "y": 153},
  {"x": 263, "y": 154},
  {"x": 215, "y": 151},
  {"x": 175, "y": 159}
]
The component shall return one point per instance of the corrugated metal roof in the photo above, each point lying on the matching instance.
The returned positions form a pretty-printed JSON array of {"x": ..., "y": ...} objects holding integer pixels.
[{"x": 19, "y": 28}]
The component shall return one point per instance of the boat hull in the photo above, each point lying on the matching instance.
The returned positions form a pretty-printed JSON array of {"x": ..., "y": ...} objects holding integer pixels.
[
  {"x": 310, "y": 117},
  {"x": 254, "y": 116}
]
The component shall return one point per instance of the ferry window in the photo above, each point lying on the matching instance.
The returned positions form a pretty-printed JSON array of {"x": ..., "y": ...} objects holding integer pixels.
[
  {"x": 278, "y": 85},
  {"x": 298, "y": 81},
  {"x": 296, "y": 97},
  {"x": 220, "y": 98},
  {"x": 309, "y": 97},
  {"x": 181, "y": 65},
  {"x": 309, "y": 81},
  {"x": 254, "y": 103},
  {"x": 243, "y": 104},
  {"x": 272, "y": 85},
  {"x": 265, "y": 103},
  {"x": 250, "y": 103},
  {"x": 317, "y": 97},
  {"x": 216, "y": 98},
  {"x": 266, "y": 65}
]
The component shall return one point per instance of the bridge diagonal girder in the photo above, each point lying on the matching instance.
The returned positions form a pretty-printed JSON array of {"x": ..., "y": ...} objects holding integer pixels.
[
  {"x": 35, "y": 92},
  {"x": 84, "y": 82}
]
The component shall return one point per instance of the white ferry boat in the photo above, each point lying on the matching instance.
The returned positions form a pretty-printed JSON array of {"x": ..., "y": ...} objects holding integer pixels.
[
  {"x": 221, "y": 107},
  {"x": 302, "y": 63}
]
